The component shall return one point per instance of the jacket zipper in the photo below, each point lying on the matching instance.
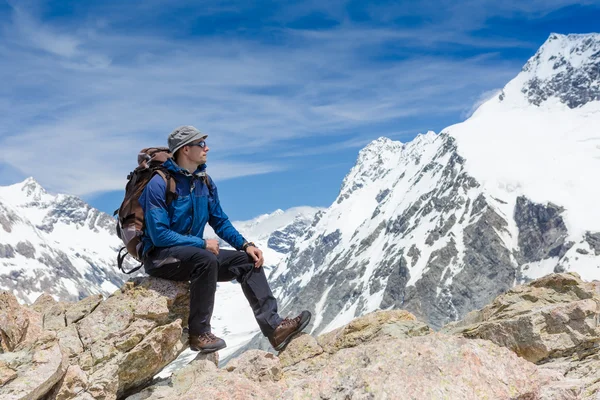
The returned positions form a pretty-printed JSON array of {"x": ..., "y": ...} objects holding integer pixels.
[{"x": 192, "y": 201}]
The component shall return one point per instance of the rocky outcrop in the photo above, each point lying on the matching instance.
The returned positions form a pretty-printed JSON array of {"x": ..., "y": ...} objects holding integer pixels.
[
  {"x": 593, "y": 240},
  {"x": 387, "y": 354},
  {"x": 92, "y": 349},
  {"x": 552, "y": 321},
  {"x": 542, "y": 231},
  {"x": 282, "y": 240},
  {"x": 537, "y": 341},
  {"x": 17, "y": 325}
]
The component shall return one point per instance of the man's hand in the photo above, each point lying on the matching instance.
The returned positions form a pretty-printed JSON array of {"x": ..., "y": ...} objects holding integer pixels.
[
  {"x": 212, "y": 245},
  {"x": 256, "y": 255}
]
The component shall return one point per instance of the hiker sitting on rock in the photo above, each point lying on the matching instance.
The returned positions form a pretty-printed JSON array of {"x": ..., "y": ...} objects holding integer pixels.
[{"x": 174, "y": 248}]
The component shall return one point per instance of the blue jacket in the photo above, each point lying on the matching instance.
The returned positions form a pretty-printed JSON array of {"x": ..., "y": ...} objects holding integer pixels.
[{"x": 182, "y": 222}]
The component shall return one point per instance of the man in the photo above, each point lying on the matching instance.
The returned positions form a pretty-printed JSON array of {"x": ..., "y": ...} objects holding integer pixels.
[{"x": 174, "y": 248}]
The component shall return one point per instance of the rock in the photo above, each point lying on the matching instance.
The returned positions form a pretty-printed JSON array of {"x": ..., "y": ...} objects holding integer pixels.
[
  {"x": 69, "y": 341},
  {"x": 593, "y": 240},
  {"x": 302, "y": 347},
  {"x": 18, "y": 325},
  {"x": 154, "y": 352},
  {"x": 102, "y": 383},
  {"x": 82, "y": 308},
  {"x": 212, "y": 357},
  {"x": 112, "y": 349},
  {"x": 13, "y": 324},
  {"x": 7, "y": 374},
  {"x": 91, "y": 349},
  {"x": 550, "y": 317},
  {"x": 43, "y": 302},
  {"x": 394, "y": 323},
  {"x": 552, "y": 321},
  {"x": 432, "y": 366},
  {"x": 54, "y": 317},
  {"x": 257, "y": 364},
  {"x": 38, "y": 367},
  {"x": 201, "y": 379},
  {"x": 73, "y": 385},
  {"x": 127, "y": 338},
  {"x": 542, "y": 231}
]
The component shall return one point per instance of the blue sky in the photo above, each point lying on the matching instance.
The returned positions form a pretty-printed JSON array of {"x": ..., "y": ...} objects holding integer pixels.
[{"x": 287, "y": 91}]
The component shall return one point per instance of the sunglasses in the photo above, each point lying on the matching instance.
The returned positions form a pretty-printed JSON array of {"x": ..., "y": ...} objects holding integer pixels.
[{"x": 201, "y": 144}]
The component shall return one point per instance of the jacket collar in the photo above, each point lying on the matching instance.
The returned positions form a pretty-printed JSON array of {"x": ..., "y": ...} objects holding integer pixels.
[{"x": 172, "y": 166}]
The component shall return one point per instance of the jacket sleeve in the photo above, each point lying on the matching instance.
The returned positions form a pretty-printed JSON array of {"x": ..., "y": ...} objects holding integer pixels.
[
  {"x": 156, "y": 217},
  {"x": 219, "y": 221}
]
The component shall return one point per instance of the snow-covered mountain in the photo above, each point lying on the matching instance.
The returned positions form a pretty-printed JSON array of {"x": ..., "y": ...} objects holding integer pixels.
[
  {"x": 56, "y": 244},
  {"x": 443, "y": 224}
]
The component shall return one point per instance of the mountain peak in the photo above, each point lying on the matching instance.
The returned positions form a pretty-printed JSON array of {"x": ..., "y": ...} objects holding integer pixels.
[
  {"x": 377, "y": 149},
  {"x": 32, "y": 187},
  {"x": 560, "y": 52},
  {"x": 565, "y": 68},
  {"x": 24, "y": 192},
  {"x": 380, "y": 142}
]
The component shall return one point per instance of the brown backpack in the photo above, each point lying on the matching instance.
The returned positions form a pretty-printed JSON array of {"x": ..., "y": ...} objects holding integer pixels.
[{"x": 130, "y": 225}]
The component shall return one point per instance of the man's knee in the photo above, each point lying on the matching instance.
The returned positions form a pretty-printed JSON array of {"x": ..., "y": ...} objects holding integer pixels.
[
  {"x": 240, "y": 257},
  {"x": 205, "y": 261}
]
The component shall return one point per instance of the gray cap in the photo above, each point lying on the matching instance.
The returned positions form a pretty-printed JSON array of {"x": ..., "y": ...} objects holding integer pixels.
[{"x": 184, "y": 135}]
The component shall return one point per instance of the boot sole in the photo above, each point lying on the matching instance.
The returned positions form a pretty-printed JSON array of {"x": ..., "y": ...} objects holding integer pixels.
[
  {"x": 208, "y": 351},
  {"x": 283, "y": 344}
]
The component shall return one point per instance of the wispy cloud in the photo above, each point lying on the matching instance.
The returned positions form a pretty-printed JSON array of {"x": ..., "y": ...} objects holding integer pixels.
[
  {"x": 303, "y": 151},
  {"x": 79, "y": 99},
  {"x": 40, "y": 36}
]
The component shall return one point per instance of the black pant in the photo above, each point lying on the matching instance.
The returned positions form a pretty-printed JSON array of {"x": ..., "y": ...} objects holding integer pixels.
[{"x": 203, "y": 269}]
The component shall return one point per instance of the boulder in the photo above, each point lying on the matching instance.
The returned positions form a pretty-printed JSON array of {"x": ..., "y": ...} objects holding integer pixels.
[
  {"x": 32, "y": 370},
  {"x": 18, "y": 324},
  {"x": 257, "y": 364},
  {"x": 201, "y": 379},
  {"x": 93, "y": 348},
  {"x": 129, "y": 337},
  {"x": 551, "y": 317},
  {"x": 551, "y": 321},
  {"x": 390, "y": 324},
  {"x": 304, "y": 348},
  {"x": 432, "y": 366}
]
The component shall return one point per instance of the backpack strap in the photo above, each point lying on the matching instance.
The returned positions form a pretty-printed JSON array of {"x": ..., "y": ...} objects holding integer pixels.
[
  {"x": 121, "y": 256},
  {"x": 171, "y": 193},
  {"x": 207, "y": 182}
]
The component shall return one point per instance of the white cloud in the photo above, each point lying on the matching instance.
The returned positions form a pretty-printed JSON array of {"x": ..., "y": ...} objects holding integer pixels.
[{"x": 41, "y": 36}]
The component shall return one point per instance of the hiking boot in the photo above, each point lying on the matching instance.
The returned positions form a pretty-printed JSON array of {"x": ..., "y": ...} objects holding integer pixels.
[
  {"x": 206, "y": 343},
  {"x": 287, "y": 329}
]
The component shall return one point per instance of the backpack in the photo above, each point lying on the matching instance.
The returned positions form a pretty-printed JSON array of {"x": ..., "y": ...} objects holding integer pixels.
[{"x": 130, "y": 224}]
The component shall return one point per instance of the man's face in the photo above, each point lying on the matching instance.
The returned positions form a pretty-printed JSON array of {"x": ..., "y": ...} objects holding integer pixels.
[{"x": 198, "y": 151}]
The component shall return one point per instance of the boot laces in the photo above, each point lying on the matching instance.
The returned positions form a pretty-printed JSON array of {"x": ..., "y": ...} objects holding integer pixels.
[
  {"x": 290, "y": 321},
  {"x": 209, "y": 336}
]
